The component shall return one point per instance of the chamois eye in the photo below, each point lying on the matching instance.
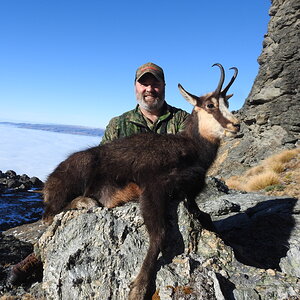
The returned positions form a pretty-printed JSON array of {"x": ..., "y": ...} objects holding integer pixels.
[{"x": 210, "y": 105}]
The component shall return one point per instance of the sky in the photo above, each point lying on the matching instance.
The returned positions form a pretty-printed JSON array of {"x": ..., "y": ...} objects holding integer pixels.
[{"x": 73, "y": 62}]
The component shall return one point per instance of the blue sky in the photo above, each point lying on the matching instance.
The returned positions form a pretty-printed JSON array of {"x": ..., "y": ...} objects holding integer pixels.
[{"x": 73, "y": 62}]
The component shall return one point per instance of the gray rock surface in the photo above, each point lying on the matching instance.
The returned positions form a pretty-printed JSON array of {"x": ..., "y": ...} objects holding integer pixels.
[
  {"x": 102, "y": 265},
  {"x": 95, "y": 254},
  {"x": 270, "y": 115}
]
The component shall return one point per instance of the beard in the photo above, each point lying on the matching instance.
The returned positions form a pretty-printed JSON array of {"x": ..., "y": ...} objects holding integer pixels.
[{"x": 155, "y": 103}]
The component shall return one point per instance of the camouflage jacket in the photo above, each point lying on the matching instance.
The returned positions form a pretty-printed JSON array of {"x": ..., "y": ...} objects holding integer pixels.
[{"x": 132, "y": 122}]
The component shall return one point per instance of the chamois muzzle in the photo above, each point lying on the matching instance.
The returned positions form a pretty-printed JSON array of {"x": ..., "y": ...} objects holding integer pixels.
[{"x": 233, "y": 128}]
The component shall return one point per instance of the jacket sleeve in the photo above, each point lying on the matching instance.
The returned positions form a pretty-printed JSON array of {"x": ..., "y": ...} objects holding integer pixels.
[
  {"x": 111, "y": 131},
  {"x": 182, "y": 120}
]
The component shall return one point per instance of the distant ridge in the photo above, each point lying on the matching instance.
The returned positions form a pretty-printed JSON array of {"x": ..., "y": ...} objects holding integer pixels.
[{"x": 69, "y": 129}]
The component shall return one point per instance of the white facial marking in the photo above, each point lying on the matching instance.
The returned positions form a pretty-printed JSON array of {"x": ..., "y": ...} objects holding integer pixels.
[
  {"x": 229, "y": 116},
  {"x": 224, "y": 110},
  {"x": 215, "y": 102}
]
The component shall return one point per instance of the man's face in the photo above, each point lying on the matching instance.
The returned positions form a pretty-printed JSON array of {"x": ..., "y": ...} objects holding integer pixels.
[{"x": 150, "y": 92}]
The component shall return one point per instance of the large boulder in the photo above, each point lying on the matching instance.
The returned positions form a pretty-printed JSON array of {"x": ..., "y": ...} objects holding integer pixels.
[{"x": 96, "y": 253}]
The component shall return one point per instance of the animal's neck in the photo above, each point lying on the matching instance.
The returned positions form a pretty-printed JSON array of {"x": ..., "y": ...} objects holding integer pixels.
[{"x": 207, "y": 144}]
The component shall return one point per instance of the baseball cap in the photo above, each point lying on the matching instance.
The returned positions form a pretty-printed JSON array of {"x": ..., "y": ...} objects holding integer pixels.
[{"x": 150, "y": 68}]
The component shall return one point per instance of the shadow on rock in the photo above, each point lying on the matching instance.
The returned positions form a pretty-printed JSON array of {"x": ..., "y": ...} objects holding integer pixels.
[
  {"x": 12, "y": 251},
  {"x": 259, "y": 236}
]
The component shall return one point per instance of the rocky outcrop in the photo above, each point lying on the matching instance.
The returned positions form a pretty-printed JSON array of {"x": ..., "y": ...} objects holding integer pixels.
[
  {"x": 11, "y": 180},
  {"x": 270, "y": 115},
  {"x": 95, "y": 254}
]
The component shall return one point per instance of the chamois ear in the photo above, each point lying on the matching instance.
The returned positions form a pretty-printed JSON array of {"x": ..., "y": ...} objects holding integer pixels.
[
  {"x": 188, "y": 96},
  {"x": 228, "y": 96}
]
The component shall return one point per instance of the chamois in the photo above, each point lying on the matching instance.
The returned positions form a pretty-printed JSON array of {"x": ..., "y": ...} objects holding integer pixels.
[{"x": 149, "y": 168}]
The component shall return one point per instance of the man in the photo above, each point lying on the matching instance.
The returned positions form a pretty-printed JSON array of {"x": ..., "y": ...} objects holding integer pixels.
[{"x": 152, "y": 113}]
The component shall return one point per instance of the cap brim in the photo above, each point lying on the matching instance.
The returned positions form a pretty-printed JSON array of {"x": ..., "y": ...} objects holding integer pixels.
[{"x": 151, "y": 72}]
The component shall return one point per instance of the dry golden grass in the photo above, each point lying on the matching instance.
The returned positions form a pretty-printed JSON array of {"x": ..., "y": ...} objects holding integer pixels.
[
  {"x": 261, "y": 181},
  {"x": 279, "y": 174},
  {"x": 235, "y": 183},
  {"x": 287, "y": 155},
  {"x": 276, "y": 166},
  {"x": 254, "y": 171}
]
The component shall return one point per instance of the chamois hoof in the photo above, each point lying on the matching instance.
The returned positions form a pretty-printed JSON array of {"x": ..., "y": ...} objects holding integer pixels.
[
  {"x": 47, "y": 220},
  {"x": 82, "y": 202},
  {"x": 137, "y": 291}
]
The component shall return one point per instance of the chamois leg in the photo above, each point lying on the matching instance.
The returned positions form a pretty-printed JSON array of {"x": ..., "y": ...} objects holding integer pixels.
[
  {"x": 57, "y": 196},
  {"x": 153, "y": 211},
  {"x": 54, "y": 200},
  {"x": 203, "y": 217}
]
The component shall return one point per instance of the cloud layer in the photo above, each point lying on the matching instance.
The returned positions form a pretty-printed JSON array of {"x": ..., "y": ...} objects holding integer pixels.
[{"x": 36, "y": 152}]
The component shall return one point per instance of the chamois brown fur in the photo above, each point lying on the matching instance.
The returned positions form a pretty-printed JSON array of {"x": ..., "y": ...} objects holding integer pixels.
[{"x": 149, "y": 168}]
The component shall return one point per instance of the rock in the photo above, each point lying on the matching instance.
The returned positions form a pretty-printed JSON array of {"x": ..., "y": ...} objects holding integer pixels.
[
  {"x": 90, "y": 263},
  {"x": 36, "y": 182},
  {"x": 27, "y": 233},
  {"x": 85, "y": 252},
  {"x": 12, "y": 183},
  {"x": 291, "y": 263},
  {"x": 270, "y": 114},
  {"x": 12, "y": 251},
  {"x": 96, "y": 253},
  {"x": 10, "y": 174},
  {"x": 11, "y": 180},
  {"x": 24, "y": 178}
]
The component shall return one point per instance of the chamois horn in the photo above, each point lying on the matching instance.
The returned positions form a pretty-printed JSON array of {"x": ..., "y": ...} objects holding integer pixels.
[
  {"x": 221, "y": 81},
  {"x": 223, "y": 93}
]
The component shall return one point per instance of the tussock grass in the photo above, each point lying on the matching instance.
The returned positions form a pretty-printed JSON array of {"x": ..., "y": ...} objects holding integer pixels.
[
  {"x": 278, "y": 161},
  {"x": 235, "y": 183},
  {"x": 276, "y": 166},
  {"x": 254, "y": 171},
  {"x": 261, "y": 181},
  {"x": 281, "y": 169},
  {"x": 286, "y": 155}
]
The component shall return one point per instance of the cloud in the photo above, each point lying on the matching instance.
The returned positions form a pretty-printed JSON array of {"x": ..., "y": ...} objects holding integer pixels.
[{"x": 36, "y": 152}]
